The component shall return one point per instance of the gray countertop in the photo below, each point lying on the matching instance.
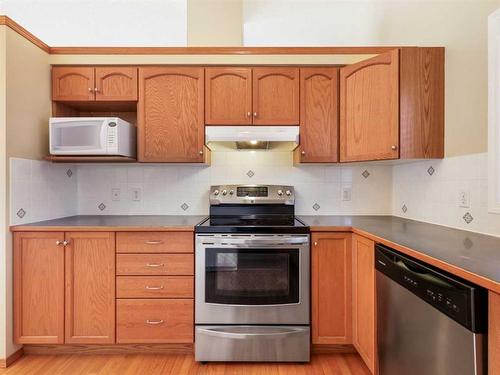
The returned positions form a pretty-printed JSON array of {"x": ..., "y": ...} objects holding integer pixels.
[{"x": 473, "y": 252}]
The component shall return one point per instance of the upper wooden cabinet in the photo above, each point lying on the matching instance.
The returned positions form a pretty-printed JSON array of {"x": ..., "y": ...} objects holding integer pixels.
[
  {"x": 90, "y": 288},
  {"x": 276, "y": 96},
  {"x": 171, "y": 115},
  {"x": 331, "y": 284},
  {"x": 318, "y": 115},
  {"x": 228, "y": 96},
  {"x": 364, "y": 320},
  {"x": 392, "y": 106},
  {"x": 94, "y": 84},
  {"x": 39, "y": 288}
]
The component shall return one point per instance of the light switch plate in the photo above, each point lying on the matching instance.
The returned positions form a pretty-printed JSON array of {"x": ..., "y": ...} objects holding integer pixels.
[
  {"x": 346, "y": 193},
  {"x": 136, "y": 194},
  {"x": 464, "y": 198}
]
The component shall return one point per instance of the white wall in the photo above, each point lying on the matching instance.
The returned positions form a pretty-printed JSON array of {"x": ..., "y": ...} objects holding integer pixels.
[{"x": 103, "y": 22}]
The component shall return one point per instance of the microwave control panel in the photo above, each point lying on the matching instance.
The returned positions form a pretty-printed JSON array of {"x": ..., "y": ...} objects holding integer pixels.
[{"x": 112, "y": 134}]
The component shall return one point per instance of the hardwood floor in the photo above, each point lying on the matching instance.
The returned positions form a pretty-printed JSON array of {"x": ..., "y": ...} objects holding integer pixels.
[{"x": 150, "y": 364}]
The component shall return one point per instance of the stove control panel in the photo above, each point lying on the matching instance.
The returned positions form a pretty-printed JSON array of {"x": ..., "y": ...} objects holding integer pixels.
[{"x": 252, "y": 194}]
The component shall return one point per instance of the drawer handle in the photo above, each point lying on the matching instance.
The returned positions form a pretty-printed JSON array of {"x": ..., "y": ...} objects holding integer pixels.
[
  {"x": 154, "y": 265},
  {"x": 153, "y": 242},
  {"x": 154, "y": 322},
  {"x": 154, "y": 287}
]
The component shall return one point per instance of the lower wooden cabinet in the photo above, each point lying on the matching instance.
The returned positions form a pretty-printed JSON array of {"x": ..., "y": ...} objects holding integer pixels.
[
  {"x": 363, "y": 300},
  {"x": 493, "y": 334},
  {"x": 154, "y": 321},
  {"x": 331, "y": 288}
]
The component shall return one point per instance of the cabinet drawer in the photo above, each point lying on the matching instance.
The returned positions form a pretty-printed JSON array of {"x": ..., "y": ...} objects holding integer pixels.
[
  {"x": 154, "y": 242},
  {"x": 155, "y": 264},
  {"x": 154, "y": 321},
  {"x": 155, "y": 287}
]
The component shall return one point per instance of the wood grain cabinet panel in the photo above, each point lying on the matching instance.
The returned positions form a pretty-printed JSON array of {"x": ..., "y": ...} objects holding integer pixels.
[
  {"x": 154, "y": 242},
  {"x": 319, "y": 112},
  {"x": 493, "y": 334},
  {"x": 155, "y": 287},
  {"x": 73, "y": 83},
  {"x": 90, "y": 288},
  {"x": 331, "y": 282},
  {"x": 154, "y": 321},
  {"x": 369, "y": 109},
  {"x": 228, "y": 96},
  {"x": 38, "y": 288},
  {"x": 116, "y": 83},
  {"x": 155, "y": 264},
  {"x": 275, "y": 96},
  {"x": 171, "y": 115},
  {"x": 363, "y": 300}
]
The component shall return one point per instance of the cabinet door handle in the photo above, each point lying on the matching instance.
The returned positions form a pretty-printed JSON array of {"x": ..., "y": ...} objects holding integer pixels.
[
  {"x": 255, "y": 114},
  {"x": 201, "y": 152},
  {"x": 154, "y": 287},
  {"x": 96, "y": 89},
  {"x": 58, "y": 242},
  {"x": 153, "y": 242},
  {"x": 154, "y": 265},
  {"x": 154, "y": 322},
  {"x": 66, "y": 243},
  {"x": 90, "y": 89},
  {"x": 249, "y": 114},
  {"x": 394, "y": 147},
  {"x": 303, "y": 152}
]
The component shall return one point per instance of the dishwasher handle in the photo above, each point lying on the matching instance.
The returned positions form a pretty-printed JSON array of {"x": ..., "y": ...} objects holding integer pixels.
[{"x": 422, "y": 273}]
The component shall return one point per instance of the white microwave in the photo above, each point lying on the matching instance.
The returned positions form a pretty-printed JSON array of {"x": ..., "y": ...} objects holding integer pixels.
[{"x": 91, "y": 136}]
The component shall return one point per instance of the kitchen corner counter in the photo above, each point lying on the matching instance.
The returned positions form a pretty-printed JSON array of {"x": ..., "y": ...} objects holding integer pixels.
[
  {"x": 114, "y": 223},
  {"x": 473, "y": 256}
]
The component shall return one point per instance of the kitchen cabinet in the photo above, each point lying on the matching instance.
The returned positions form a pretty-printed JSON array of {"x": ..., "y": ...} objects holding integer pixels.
[
  {"x": 171, "y": 115},
  {"x": 112, "y": 83},
  {"x": 319, "y": 112},
  {"x": 228, "y": 96},
  {"x": 493, "y": 333},
  {"x": 90, "y": 287},
  {"x": 64, "y": 285},
  {"x": 275, "y": 96},
  {"x": 331, "y": 285},
  {"x": 364, "y": 301},
  {"x": 392, "y": 106},
  {"x": 39, "y": 288}
]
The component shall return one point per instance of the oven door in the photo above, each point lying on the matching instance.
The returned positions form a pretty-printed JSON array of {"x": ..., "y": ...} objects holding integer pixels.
[{"x": 252, "y": 279}]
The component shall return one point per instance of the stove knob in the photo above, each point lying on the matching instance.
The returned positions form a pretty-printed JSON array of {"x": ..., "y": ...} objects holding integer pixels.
[
  {"x": 224, "y": 192},
  {"x": 288, "y": 192},
  {"x": 280, "y": 192},
  {"x": 231, "y": 192},
  {"x": 216, "y": 192}
]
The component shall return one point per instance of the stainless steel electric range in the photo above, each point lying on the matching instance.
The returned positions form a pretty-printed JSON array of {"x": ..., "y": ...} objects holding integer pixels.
[{"x": 252, "y": 277}]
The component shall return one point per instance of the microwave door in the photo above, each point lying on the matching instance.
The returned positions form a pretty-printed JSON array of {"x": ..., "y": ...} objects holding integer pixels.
[{"x": 86, "y": 137}]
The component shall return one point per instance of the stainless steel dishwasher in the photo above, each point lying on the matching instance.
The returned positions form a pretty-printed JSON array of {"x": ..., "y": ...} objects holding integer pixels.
[{"x": 428, "y": 321}]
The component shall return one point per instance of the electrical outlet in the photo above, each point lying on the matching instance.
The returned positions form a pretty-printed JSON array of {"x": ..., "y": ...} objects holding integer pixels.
[
  {"x": 115, "y": 194},
  {"x": 464, "y": 198},
  {"x": 346, "y": 193},
  {"x": 136, "y": 194}
]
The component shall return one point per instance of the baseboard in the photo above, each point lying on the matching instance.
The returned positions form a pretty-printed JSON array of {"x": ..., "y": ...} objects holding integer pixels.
[
  {"x": 4, "y": 363},
  {"x": 109, "y": 349},
  {"x": 332, "y": 348}
]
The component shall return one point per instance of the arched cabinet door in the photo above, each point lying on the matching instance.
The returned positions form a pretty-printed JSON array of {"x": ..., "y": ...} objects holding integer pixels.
[
  {"x": 170, "y": 115},
  {"x": 228, "y": 96},
  {"x": 275, "y": 96},
  {"x": 72, "y": 83},
  {"x": 369, "y": 109},
  {"x": 116, "y": 83},
  {"x": 318, "y": 115}
]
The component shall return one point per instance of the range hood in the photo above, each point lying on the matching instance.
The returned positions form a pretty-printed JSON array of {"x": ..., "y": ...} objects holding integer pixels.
[{"x": 272, "y": 138}]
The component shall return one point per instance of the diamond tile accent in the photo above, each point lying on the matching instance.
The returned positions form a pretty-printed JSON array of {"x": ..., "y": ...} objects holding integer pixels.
[
  {"x": 184, "y": 206},
  {"x": 21, "y": 213},
  {"x": 404, "y": 208},
  {"x": 431, "y": 170},
  {"x": 102, "y": 206},
  {"x": 316, "y": 207},
  {"x": 69, "y": 172},
  {"x": 365, "y": 174},
  {"x": 468, "y": 218},
  {"x": 250, "y": 173}
]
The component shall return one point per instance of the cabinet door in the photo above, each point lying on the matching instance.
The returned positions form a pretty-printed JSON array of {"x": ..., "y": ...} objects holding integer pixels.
[
  {"x": 72, "y": 83},
  {"x": 116, "y": 83},
  {"x": 90, "y": 288},
  {"x": 319, "y": 115},
  {"x": 363, "y": 300},
  {"x": 369, "y": 109},
  {"x": 331, "y": 288},
  {"x": 171, "y": 115},
  {"x": 228, "y": 96},
  {"x": 276, "y": 96},
  {"x": 38, "y": 288}
]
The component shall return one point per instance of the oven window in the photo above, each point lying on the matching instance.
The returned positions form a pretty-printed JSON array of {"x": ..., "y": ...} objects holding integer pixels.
[{"x": 252, "y": 276}]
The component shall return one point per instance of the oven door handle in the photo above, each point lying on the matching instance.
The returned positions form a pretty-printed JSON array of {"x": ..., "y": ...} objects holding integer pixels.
[
  {"x": 252, "y": 243},
  {"x": 248, "y": 335}
]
